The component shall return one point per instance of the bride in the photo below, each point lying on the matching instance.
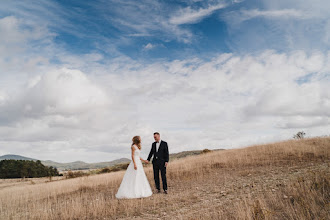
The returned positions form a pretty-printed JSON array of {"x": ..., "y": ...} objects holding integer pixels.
[{"x": 135, "y": 183}]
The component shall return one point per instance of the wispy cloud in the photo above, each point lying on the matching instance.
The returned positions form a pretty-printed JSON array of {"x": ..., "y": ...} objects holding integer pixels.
[
  {"x": 283, "y": 26},
  {"x": 279, "y": 14},
  {"x": 144, "y": 18},
  {"x": 190, "y": 16}
]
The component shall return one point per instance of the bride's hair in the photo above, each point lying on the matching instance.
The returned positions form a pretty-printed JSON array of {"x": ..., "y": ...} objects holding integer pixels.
[{"x": 137, "y": 141}]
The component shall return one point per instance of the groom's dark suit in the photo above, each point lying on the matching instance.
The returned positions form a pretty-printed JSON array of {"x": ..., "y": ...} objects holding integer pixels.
[{"x": 159, "y": 158}]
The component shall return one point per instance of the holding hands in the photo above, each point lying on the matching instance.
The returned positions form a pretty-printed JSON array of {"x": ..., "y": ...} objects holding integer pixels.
[{"x": 146, "y": 161}]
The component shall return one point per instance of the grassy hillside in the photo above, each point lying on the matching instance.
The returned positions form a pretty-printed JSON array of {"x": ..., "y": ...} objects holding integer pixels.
[{"x": 285, "y": 180}]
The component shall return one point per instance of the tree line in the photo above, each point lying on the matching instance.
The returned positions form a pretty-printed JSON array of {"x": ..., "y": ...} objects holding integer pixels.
[{"x": 25, "y": 169}]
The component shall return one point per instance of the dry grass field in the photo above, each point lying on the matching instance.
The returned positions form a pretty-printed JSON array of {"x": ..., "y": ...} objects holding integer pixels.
[{"x": 284, "y": 180}]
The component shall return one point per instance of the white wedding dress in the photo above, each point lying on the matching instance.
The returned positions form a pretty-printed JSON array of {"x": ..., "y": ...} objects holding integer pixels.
[{"x": 135, "y": 183}]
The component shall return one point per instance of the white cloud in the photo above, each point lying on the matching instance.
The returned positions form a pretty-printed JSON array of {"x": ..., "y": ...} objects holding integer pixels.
[
  {"x": 297, "y": 122},
  {"x": 9, "y": 30},
  {"x": 285, "y": 26},
  {"x": 190, "y": 16},
  {"x": 290, "y": 99},
  {"x": 228, "y": 101},
  {"x": 280, "y": 14},
  {"x": 149, "y": 46},
  {"x": 58, "y": 98},
  {"x": 15, "y": 35},
  {"x": 3, "y": 97}
]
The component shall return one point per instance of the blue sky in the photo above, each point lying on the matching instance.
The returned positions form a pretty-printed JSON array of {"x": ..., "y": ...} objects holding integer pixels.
[
  {"x": 176, "y": 29},
  {"x": 82, "y": 77}
]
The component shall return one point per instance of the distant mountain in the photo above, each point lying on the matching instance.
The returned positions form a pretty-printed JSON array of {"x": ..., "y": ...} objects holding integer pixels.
[
  {"x": 81, "y": 165},
  {"x": 77, "y": 165}
]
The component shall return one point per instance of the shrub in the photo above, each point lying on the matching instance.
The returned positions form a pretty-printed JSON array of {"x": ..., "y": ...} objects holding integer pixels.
[
  {"x": 118, "y": 167},
  {"x": 104, "y": 170},
  {"x": 206, "y": 151},
  {"x": 71, "y": 174},
  {"x": 299, "y": 135}
]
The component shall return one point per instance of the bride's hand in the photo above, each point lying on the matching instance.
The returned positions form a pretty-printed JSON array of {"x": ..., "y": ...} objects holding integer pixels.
[{"x": 135, "y": 167}]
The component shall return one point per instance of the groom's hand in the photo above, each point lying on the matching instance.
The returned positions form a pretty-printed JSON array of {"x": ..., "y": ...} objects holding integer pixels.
[{"x": 165, "y": 164}]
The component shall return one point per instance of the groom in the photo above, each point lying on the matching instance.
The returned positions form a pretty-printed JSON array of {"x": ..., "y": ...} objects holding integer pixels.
[{"x": 159, "y": 150}]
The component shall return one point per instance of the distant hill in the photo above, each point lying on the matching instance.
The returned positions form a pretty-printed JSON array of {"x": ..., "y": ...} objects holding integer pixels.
[
  {"x": 81, "y": 165},
  {"x": 15, "y": 157},
  {"x": 77, "y": 165}
]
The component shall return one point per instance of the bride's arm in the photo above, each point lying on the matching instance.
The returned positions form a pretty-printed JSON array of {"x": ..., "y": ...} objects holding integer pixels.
[
  {"x": 143, "y": 160},
  {"x": 133, "y": 149}
]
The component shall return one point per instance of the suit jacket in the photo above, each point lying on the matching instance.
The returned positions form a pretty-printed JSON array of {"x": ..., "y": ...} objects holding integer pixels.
[{"x": 162, "y": 155}]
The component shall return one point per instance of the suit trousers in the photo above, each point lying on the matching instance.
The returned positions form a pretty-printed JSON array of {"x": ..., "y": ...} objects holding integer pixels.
[{"x": 159, "y": 166}]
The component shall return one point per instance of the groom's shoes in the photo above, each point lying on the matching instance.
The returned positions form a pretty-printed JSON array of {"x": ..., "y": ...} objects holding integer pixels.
[
  {"x": 165, "y": 191},
  {"x": 158, "y": 190}
]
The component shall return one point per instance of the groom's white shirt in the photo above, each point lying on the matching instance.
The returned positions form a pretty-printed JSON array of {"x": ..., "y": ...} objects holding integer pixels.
[{"x": 157, "y": 145}]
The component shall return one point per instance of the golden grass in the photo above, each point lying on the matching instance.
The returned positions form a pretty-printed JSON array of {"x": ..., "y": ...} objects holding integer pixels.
[{"x": 230, "y": 184}]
